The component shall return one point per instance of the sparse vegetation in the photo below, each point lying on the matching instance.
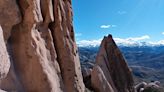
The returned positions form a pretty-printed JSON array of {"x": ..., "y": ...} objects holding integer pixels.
[{"x": 151, "y": 89}]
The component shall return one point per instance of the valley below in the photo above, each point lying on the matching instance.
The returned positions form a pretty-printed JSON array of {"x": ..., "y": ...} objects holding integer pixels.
[{"x": 146, "y": 62}]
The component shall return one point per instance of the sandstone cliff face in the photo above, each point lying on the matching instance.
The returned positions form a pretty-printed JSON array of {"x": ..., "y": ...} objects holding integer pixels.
[
  {"x": 38, "y": 51},
  {"x": 111, "y": 73}
]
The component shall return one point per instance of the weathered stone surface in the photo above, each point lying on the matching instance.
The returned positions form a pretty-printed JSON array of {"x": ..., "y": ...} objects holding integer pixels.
[
  {"x": 34, "y": 56},
  {"x": 9, "y": 16},
  {"x": 38, "y": 61},
  {"x": 86, "y": 72},
  {"x": 99, "y": 81},
  {"x": 4, "y": 57},
  {"x": 114, "y": 67},
  {"x": 63, "y": 35},
  {"x": 39, "y": 53},
  {"x": 146, "y": 87}
]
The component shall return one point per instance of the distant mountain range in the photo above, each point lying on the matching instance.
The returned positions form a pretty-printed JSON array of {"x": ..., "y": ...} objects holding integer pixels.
[
  {"x": 146, "y": 61},
  {"x": 123, "y": 43}
]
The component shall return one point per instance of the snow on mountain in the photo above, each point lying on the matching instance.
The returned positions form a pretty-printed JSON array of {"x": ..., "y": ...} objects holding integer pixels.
[{"x": 121, "y": 42}]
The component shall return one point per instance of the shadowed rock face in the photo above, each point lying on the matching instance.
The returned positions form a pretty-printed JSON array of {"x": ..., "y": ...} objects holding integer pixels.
[
  {"x": 39, "y": 38},
  {"x": 113, "y": 68}
]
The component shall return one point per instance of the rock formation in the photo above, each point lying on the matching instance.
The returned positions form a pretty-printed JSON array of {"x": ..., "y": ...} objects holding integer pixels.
[
  {"x": 111, "y": 73},
  {"x": 38, "y": 52},
  {"x": 148, "y": 87},
  {"x": 4, "y": 62}
]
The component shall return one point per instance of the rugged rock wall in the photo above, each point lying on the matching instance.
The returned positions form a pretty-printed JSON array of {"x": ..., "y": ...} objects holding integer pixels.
[
  {"x": 40, "y": 53},
  {"x": 111, "y": 73}
]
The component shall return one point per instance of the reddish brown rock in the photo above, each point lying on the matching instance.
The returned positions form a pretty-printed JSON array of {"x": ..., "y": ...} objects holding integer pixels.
[
  {"x": 99, "y": 81},
  {"x": 40, "y": 54},
  {"x": 42, "y": 49},
  {"x": 9, "y": 16},
  {"x": 63, "y": 35},
  {"x": 114, "y": 66}
]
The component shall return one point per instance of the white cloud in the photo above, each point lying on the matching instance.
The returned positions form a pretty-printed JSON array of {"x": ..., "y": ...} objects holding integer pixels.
[
  {"x": 121, "y": 12},
  {"x": 107, "y": 26},
  {"x": 84, "y": 43},
  {"x": 78, "y": 34},
  {"x": 163, "y": 33}
]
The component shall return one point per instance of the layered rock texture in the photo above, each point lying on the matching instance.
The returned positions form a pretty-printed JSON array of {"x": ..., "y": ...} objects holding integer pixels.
[
  {"x": 38, "y": 50},
  {"x": 111, "y": 73}
]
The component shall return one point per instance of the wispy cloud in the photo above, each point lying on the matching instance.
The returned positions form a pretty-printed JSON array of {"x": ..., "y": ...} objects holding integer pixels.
[
  {"x": 78, "y": 34},
  {"x": 122, "y": 12},
  {"x": 163, "y": 33},
  {"x": 114, "y": 25},
  {"x": 84, "y": 43},
  {"x": 107, "y": 26}
]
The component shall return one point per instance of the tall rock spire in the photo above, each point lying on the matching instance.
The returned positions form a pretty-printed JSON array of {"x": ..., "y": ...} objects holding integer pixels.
[{"x": 112, "y": 67}]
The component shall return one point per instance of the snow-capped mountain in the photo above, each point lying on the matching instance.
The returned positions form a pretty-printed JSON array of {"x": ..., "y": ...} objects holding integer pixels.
[{"x": 124, "y": 44}]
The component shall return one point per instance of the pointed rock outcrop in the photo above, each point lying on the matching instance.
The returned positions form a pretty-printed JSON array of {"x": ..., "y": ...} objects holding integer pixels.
[
  {"x": 64, "y": 41},
  {"x": 111, "y": 72}
]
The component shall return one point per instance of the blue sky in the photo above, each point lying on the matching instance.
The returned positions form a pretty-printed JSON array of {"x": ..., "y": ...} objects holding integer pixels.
[{"x": 123, "y": 19}]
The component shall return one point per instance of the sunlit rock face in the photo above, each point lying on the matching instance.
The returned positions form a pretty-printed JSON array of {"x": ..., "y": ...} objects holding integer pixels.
[
  {"x": 39, "y": 52},
  {"x": 4, "y": 58},
  {"x": 111, "y": 71}
]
